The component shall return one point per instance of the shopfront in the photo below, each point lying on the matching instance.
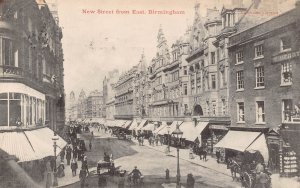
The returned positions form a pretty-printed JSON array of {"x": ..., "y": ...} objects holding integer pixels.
[{"x": 21, "y": 105}]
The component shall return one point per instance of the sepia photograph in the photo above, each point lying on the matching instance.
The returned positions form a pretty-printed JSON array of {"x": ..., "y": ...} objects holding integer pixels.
[{"x": 149, "y": 94}]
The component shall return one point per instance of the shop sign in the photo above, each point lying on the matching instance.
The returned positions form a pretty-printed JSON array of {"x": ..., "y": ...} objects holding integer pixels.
[
  {"x": 286, "y": 56},
  {"x": 219, "y": 127}
]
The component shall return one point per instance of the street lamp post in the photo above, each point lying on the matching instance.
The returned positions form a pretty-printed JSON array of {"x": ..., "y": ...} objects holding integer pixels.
[
  {"x": 168, "y": 149},
  {"x": 55, "y": 138},
  {"x": 178, "y": 133}
]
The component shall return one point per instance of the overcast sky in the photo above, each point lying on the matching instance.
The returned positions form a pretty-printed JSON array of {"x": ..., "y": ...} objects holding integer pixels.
[{"x": 94, "y": 44}]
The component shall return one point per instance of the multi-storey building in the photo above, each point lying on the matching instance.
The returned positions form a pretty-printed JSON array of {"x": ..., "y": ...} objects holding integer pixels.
[
  {"x": 31, "y": 65},
  {"x": 81, "y": 106},
  {"x": 71, "y": 107},
  {"x": 94, "y": 105},
  {"x": 109, "y": 94},
  {"x": 265, "y": 85}
]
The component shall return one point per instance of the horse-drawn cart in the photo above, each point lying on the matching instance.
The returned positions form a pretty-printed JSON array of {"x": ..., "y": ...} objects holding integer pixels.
[{"x": 109, "y": 167}]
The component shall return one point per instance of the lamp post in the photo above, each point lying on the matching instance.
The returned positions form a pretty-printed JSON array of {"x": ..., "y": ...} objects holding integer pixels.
[
  {"x": 178, "y": 133},
  {"x": 55, "y": 138}
]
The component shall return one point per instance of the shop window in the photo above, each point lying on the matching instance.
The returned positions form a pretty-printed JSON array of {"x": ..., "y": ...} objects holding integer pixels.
[
  {"x": 260, "y": 112},
  {"x": 260, "y": 77},
  {"x": 290, "y": 111},
  {"x": 286, "y": 73},
  {"x": 240, "y": 112}
]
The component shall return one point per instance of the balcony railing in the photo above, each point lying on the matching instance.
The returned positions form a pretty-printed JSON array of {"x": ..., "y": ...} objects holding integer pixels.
[{"x": 9, "y": 71}]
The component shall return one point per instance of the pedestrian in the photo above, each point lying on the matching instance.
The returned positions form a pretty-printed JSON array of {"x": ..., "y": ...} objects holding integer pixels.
[
  {"x": 218, "y": 155},
  {"x": 61, "y": 170},
  {"x": 102, "y": 181},
  {"x": 82, "y": 177},
  {"x": 52, "y": 163},
  {"x": 90, "y": 145},
  {"x": 156, "y": 140},
  {"x": 190, "y": 181},
  {"x": 204, "y": 153},
  {"x": 75, "y": 151},
  {"x": 191, "y": 154},
  {"x": 74, "y": 167},
  {"x": 62, "y": 155},
  {"x": 84, "y": 164},
  {"x": 68, "y": 155}
]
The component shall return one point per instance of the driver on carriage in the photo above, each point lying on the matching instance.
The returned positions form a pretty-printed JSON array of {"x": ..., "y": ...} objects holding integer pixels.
[{"x": 135, "y": 174}]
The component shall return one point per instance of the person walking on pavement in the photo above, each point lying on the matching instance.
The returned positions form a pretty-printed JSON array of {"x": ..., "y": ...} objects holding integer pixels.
[
  {"x": 74, "y": 152},
  {"x": 190, "y": 181},
  {"x": 74, "y": 167},
  {"x": 68, "y": 155},
  {"x": 62, "y": 155},
  {"x": 90, "y": 145},
  {"x": 218, "y": 155},
  {"x": 84, "y": 164},
  {"x": 82, "y": 177}
]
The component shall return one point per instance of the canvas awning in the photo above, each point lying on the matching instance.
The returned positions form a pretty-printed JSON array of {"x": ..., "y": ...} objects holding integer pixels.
[
  {"x": 141, "y": 125},
  {"x": 133, "y": 125},
  {"x": 127, "y": 124},
  {"x": 190, "y": 131},
  {"x": 30, "y": 145},
  {"x": 238, "y": 140},
  {"x": 260, "y": 144},
  {"x": 148, "y": 127},
  {"x": 163, "y": 124},
  {"x": 172, "y": 128}
]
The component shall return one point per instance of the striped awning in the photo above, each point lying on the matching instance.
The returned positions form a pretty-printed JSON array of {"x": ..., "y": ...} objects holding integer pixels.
[
  {"x": 172, "y": 128},
  {"x": 133, "y": 125}
]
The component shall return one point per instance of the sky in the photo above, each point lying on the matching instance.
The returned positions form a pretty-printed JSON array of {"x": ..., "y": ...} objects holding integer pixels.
[{"x": 94, "y": 44}]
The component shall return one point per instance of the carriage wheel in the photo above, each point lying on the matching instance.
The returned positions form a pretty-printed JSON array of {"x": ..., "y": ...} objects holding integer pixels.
[{"x": 247, "y": 180}]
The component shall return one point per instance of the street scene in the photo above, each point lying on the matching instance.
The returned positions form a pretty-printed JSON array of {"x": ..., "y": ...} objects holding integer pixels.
[{"x": 149, "y": 94}]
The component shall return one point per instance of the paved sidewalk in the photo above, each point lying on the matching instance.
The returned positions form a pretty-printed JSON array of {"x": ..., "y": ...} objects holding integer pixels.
[{"x": 211, "y": 163}]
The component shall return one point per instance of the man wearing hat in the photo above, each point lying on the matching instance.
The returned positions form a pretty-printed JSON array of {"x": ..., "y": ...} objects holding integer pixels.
[{"x": 136, "y": 174}]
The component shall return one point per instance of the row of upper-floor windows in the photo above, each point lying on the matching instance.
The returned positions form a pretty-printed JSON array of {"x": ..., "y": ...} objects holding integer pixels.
[
  {"x": 286, "y": 76},
  {"x": 285, "y": 44}
]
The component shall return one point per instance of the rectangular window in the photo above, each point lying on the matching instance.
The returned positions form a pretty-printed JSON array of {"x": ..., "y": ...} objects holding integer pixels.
[
  {"x": 285, "y": 44},
  {"x": 198, "y": 80},
  {"x": 185, "y": 90},
  {"x": 239, "y": 57},
  {"x": 213, "y": 58},
  {"x": 7, "y": 51},
  {"x": 260, "y": 76},
  {"x": 223, "y": 107},
  {"x": 207, "y": 107},
  {"x": 214, "y": 108},
  {"x": 240, "y": 80},
  {"x": 193, "y": 86},
  {"x": 286, "y": 73},
  {"x": 259, "y": 50},
  {"x": 287, "y": 110},
  {"x": 213, "y": 81},
  {"x": 260, "y": 112},
  {"x": 240, "y": 112},
  {"x": 184, "y": 70}
]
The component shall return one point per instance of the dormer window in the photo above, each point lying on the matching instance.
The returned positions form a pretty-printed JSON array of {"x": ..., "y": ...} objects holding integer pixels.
[{"x": 285, "y": 44}]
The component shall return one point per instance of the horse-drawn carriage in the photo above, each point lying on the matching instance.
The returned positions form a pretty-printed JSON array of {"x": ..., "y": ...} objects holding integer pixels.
[
  {"x": 251, "y": 170},
  {"x": 110, "y": 167}
]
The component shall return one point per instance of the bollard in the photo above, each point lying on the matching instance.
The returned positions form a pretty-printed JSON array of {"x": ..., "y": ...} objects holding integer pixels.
[{"x": 167, "y": 175}]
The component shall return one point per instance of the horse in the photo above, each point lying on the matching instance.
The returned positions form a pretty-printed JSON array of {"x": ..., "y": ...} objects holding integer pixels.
[{"x": 235, "y": 168}]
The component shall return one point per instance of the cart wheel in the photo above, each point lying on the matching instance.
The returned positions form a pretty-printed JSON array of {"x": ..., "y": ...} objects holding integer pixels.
[{"x": 246, "y": 180}]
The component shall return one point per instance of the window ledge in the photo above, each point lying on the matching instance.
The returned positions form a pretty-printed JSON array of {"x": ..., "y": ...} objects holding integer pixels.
[
  {"x": 258, "y": 57},
  {"x": 239, "y": 63},
  {"x": 286, "y": 84},
  {"x": 239, "y": 90},
  {"x": 257, "y": 88},
  {"x": 241, "y": 122},
  {"x": 285, "y": 50},
  {"x": 260, "y": 123}
]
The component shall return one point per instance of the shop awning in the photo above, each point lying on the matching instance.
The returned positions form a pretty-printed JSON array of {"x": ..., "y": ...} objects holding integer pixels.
[
  {"x": 30, "y": 145},
  {"x": 171, "y": 128},
  {"x": 190, "y": 131},
  {"x": 163, "y": 124},
  {"x": 141, "y": 125},
  {"x": 127, "y": 124},
  {"x": 260, "y": 144},
  {"x": 238, "y": 140},
  {"x": 133, "y": 125},
  {"x": 148, "y": 127}
]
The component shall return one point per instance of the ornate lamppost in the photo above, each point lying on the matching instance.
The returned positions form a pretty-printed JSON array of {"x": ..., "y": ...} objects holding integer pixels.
[
  {"x": 178, "y": 134},
  {"x": 55, "y": 138}
]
